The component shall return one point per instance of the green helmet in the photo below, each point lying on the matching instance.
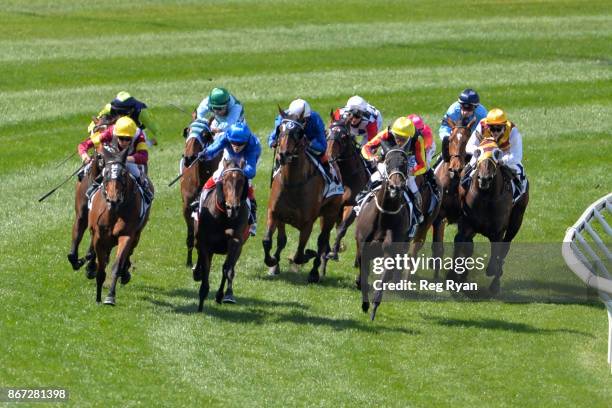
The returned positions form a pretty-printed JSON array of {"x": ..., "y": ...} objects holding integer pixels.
[{"x": 218, "y": 98}]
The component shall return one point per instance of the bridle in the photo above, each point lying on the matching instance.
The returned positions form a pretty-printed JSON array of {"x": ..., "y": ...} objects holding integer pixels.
[
  {"x": 401, "y": 170},
  {"x": 288, "y": 125},
  {"x": 117, "y": 171}
]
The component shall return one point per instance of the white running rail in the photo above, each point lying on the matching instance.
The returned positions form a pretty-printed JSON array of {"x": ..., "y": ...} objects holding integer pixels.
[{"x": 590, "y": 258}]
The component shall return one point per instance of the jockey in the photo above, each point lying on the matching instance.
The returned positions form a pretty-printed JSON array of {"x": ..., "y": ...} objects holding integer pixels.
[
  {"x": 126, "y": 105},
  {"x": 314, "y": 130},
  {"x": 425, "y": 130},
  {"x": 403, "y": 131},
  {"x": 237, "y": 142},
  {"x": 497, "y": 126},
  {"x": 364, "y": 119},
  {"x": 465, "y": 109},
  {"x": 225, "y": 108},
  {"x": 130, "y": 137}
]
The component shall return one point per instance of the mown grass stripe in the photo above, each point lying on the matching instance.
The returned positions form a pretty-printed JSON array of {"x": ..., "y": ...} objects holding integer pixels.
[
  {"x": 319, "y": 37},
  {"x": 279, "y": 88}
]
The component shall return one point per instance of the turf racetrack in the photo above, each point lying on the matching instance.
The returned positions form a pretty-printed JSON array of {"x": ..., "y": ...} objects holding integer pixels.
[{"x": 285, "y": 342}]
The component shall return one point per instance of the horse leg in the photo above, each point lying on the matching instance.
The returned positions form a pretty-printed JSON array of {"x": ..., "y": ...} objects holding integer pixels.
[
  {"x": 204, "y": 261},
  {"x": 387, "y": 245},
  {"x": 123, "y": 251},
  {"x": 78, "y": 230},
  {"x": 90, "y": 270},
  {"x": 464, "y": 247},
  {"x": 267, "y": 240},
  {"x": 281, "y": 242},
  {"x": 190, "y": 234},
  {"x": 102, "y": 254},
  {"x": 348, "y": 217},
  {"x": 298, "y": 257},
  {"x": 233, "y": 253},
  {"x": 327, "y": 224},
  {"x": 437, "y": 246}
]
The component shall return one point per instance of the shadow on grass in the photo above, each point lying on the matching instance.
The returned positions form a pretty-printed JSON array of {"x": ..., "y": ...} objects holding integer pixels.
[
  {"x": 300, "y": 278},
  {"x": 495, "y": 324}
]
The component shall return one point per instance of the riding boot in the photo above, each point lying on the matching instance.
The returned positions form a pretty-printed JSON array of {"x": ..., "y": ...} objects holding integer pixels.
[
  {"x": 329, "y": 173},
  {"x": 417, "y": 202},
  {"x": 253, "y": 218},
  {"x": 431, "y": 179},
  {"x": 369, "y": 187},
  {"x": 146, "y": 189},
  {"x": 95, "y": 185},
  {"x": 466, "y": 180}
]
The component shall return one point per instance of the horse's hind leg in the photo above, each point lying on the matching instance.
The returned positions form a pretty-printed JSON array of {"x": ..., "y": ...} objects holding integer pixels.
[
  {"x": 327, "y": 224},
  {"x": 348, "y": 217},
  {"x": 437, "y": 246},
  {"x": 90, "y": 270},
  {"x": 267, "y": 241},
  {"x": 190, "y": 234},
  {"x": 102, "y": 254},
  {"x": 229, "y": 271}
]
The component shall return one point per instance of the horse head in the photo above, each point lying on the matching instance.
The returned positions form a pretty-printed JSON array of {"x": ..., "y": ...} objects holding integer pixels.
[
  {"x": 291, "y": 140},
  {"x": 396, "y": 165},
  {"x": 338, "y": 140},
  {"x": 488, "y": 158},
  {"x": 235, "y": 186},
  {"x": 114, "y": 176},
  {"x": 454, "y": 151}
]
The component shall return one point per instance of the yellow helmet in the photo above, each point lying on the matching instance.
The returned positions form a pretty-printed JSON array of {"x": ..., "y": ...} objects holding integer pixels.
[
  {"x": 125, "y": 127},
  {"x": 496, "y": 117},
  {"x": 403, "y": 128}
]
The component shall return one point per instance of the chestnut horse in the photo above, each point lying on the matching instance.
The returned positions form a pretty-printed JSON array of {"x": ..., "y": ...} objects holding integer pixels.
[
  {"x": 296, "y": 198},
  {"x": 448, "y": 174},
  {"x": 343, "y": 151},
  {"x": 488, "y": 210},
  {"x": 195, "y": 173},
  {"x": 115, "y": 220},
  {"x": 81, "y": 210},
  {"x": 384, "y": 219},
  {"x": 222, "y": 228}
]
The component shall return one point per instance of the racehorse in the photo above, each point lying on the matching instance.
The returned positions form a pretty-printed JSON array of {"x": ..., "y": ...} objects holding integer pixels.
[
  {"x": 344, "y": 152},
  {"x": 222, "y": 228},
  {"x": 115, "y": 219},
  {"x": 195, "y": 173},
  {"x": 384, "y": 219},
  {"x": 297, "y": 198},
  {"x": 448, "y": 174},
  {"x": 81, "y": 210},
  {"x": 488, "y": 210}
]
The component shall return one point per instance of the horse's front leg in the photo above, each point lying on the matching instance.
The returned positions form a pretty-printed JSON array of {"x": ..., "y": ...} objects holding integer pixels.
[
  {"x": 327, "y": 224},
  {"x": 229, "y": 272},
  {"x": 204, "y": 261},
  {"x": 499, "y": 250},
  {"x": 123, "y": 252},
  {"x": 190, "y": 233},
  {"x": 348, "y": 216},
  {"x": 437, "y": 246},
  {"x": 102, "y": 255},
  {"x": 271, "y": 224},
  {"x": 464, "y": 248}
]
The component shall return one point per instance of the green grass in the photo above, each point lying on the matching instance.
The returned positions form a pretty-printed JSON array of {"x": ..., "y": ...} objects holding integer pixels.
[{"x": 287, "y": 343}]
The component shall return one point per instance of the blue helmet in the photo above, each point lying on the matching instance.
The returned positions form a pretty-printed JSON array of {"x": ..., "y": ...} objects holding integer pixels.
[
  {"x": 469, "y": 96},
  {"x": 239, "y": 133}
]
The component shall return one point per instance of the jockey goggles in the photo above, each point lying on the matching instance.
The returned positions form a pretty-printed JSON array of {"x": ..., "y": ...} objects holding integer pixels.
[
  {"x": 497, "y": 128},
  {"x": 468, "y": 106},
  {"x": 124, "y": 138}
]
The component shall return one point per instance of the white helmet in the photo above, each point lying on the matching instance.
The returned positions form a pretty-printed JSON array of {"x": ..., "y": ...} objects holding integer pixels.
[
  {"x": 298, "y": 108},
  {"x": 356, "y": 103}
]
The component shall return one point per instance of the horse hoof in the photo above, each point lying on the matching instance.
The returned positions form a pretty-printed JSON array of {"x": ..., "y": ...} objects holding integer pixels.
[
  {"x": 295, "y": 268},
  {"x": 274, "y": 270},
  {"x": 125, "y": 278},
  {"x": 333, "y": 256},
  {"x": 189, "y": 264},
  {"x": 313, "y": 278},
  {"x": 494, "y": 287},
  {"x": 197, "y": 275},
  {"x": 229, "y": 299},
  {"x": 358, "y": 284},
  {"x": 200, "y": 308},
  {"x": 270, "y": 262},
  {"x": 91, "y": 273},
  {"x": 219, "y": 297},
  {"x": 110, "y": 300},
  {"x": 75, "y": 262},
  {"x": 365, "y": 306}
]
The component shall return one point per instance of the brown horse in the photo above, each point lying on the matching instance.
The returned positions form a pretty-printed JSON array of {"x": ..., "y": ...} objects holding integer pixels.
[
  {"x": 115, "y": 220},
  {"x": 343, "y": 151},
  {"x": 195, "y": 173},
  {"x": 384, "y": 219},
  {"x": 488, "y": 210},
  {"x": 296, "y": 198},
  {"x": 84, "y": 181},
  {"x": 222, "y": 228},
  {"x": 448, "y": 174}
]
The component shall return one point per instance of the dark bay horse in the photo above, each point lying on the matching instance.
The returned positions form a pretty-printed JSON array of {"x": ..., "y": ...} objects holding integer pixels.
[
  {"x": 384, "y": 219},
  {"x": 296, "y": 198},
  {"x": 115, "y": 220},
  {"x": 195, "y": 173},
  {"x": 343, "y": 151},
  {"x": 488, "y": 210},
  {"x": 448, "y": 174},
  {"x": 222, "y": 228},
  {"x": 80, "y": 200}
]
